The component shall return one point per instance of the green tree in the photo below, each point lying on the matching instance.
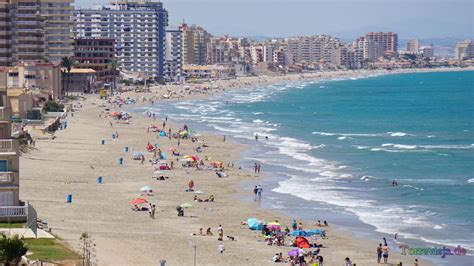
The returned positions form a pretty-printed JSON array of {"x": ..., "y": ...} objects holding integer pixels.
[
  {"x": 114, "y": 67},
  {"x": 68, "y": 63},
  {"x": 52, "y": 106},
  {"x": 12, "y": 249}
]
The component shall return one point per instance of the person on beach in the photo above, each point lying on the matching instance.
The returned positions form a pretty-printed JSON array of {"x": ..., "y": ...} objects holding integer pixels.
[
  {"x": 224, "y": 138},
  {"x": 153, "y": 209},
  {"x": 220, "y": 232},
  {"x": 385, "y": 253},
  {"x": 384, "y": 241},
  {"x": 179, "y": 142},
  {"x": 326, "y": 223},
  {"x": 301, "y": 254},
  {"x": 191, "y": 185},
  {"x": 255, "y": 168},
  {"x": 221, "y": 248},
  {"x": 294, "y": 225},
  {"x": 143, "y": 159},
  {"x": 348, "y": 261},
  {"x": 320, "y": 260},
  {"x": 266, "y": 138},
  {"x": 256, "y": 136},
  {"x": 300, "y": 226},
  {"x": 208, "y": 232},
  {"x": 150, "y": 210},
  {"x": 255, "y": 190},
  {"x": 259, "y": 166},
  {"x": 164, "y": 125},
  {"x": 416, "y": 263},
  {"x": 259, "y": 192},
  {"x": 379, "y": 252},
  {"x": 169, "y": 133}
]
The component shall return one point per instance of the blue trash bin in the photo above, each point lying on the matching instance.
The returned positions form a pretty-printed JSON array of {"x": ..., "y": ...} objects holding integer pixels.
[
  {"x": 69, "y": 198},
  {"x": 120, "y": 161},
  {"x": 99, "y": 180},
  {"x": 126, "y": 149},
  {"x": 103, "y": 142},
  {"x": 113, "y": 136}
]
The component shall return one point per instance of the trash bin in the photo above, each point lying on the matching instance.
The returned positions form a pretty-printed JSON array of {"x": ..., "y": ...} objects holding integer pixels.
[
  {"x": 99, "y": 180},
  {"x": 69, "y": 198},
  {"x": 103, "y": 142},
  {"x": 126, "y": 149}
]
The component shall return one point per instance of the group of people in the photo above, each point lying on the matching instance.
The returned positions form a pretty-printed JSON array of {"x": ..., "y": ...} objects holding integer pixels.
[
  {"x": 258, "y": 190},
  {"x": 256, "y": 168}
]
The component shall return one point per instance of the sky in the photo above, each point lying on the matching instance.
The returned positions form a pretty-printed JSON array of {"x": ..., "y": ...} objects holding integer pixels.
[{"x": 341, "y": 18}]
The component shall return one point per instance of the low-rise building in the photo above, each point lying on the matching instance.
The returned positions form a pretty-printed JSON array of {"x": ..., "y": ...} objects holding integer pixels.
[
  {"x": 81, "y": 80},
  {"x": 42, "y": 78},
  {"x": 21, "y": 101}
]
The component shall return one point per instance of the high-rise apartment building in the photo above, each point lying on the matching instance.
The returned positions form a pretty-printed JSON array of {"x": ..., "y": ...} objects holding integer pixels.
[
  {"x": 57, "y": 28},
  {"x": 388, "y": 40},
  {"x": 413, "y": 46},
  {"x": 195, "y": 40},
  {"x": 427, "y": 51},
  {"x": 96, "y": 54},
  {"x": 138, "y": 28},
  {"x": 5, "y": 34},
  {"x": 372, "y": 50},
  {"x": 28, "y": 31},
  {"x": 173, "y": 55},
  {"x": 310, "y": 49},
  {"x": 464, "y": 50}
]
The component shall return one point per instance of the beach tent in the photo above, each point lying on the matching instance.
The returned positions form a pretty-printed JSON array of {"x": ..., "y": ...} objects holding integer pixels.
[
  {"x": 254, "y": 224},
  {"x": 302, "y": 242},
  {"x": 162, "y": 134}
]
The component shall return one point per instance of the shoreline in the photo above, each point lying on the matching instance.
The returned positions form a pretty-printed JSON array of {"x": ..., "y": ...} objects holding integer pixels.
[{"x": 49, "y": 204}]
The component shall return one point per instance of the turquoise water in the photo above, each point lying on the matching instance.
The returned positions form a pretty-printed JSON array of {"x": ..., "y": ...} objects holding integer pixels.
[{"x": 337, "y": 145}]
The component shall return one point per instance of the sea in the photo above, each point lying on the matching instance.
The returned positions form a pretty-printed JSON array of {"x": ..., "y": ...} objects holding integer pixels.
[{"x": 330, "y": 150}]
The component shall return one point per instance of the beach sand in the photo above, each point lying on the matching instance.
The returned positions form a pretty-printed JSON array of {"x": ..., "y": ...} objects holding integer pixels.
[{"x": 71, "y": 164}]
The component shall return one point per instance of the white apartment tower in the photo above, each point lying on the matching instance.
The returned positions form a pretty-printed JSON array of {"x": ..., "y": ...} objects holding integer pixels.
[
  {"x": 138, "y": 28},
  {"x": 173, "y": 55}
]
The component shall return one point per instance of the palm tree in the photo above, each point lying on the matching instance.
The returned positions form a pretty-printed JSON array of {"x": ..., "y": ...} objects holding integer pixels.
[
  {"x": 113, "y": 67},
  {"x": 11, "y": 249},
  {"x": 68, "y": 63}
]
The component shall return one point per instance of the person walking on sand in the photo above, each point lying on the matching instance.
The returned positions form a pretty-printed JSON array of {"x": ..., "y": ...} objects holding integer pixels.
[
  {"x": 220, "y": 232},
  {"x": 255, "y": 190},
  {"x": 259, "y": 192},
  {"x": 150, "y": 210},
  {"x": 169, "y": 134},
  {"x": 255, "y": 168},
  {"x": 259, "y": 166},
  {"x": 385, "y": 253},
  {"x": 153, "y": 209},
  {"x": 224, "y": 138},
  {"x": 143, "y": 159},
  {"x": 379, "y": 253}
]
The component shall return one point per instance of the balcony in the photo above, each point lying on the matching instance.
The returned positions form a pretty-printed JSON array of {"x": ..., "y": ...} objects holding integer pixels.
[
  {"x": 7, "y": 178},
  {"x": 13, "y": 211}
]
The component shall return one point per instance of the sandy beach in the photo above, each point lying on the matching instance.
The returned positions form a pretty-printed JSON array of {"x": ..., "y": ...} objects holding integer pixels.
[{"x": 72, "y": 162}]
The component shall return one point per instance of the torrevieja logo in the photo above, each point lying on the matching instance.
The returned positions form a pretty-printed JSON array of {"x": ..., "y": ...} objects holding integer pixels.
[{"x": 443, "y": 252}]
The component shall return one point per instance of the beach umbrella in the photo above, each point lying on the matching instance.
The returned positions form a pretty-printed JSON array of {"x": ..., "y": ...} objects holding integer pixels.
[
  {"x": 293, "y": 253},
  {"x": 138, "y": 201},
  {"x": 274, "y": 226},
  {"x": 186, "y": 205},
  {"x": 146, "y": 189}
]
